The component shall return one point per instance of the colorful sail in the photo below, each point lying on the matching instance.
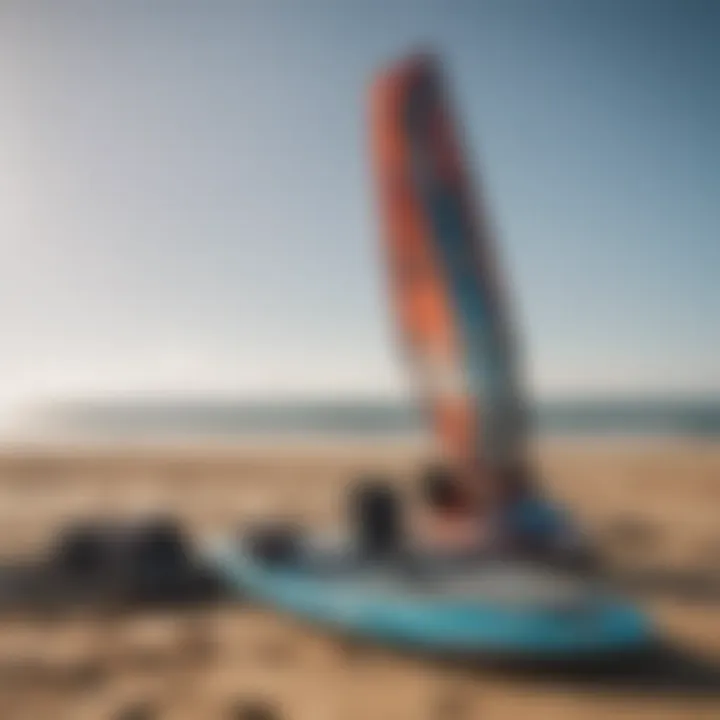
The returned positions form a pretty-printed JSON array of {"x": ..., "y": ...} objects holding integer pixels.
[{"x": 445, "y": 286}]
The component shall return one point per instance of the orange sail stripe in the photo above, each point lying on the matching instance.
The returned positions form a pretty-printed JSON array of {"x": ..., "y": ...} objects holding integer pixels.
[{"x": 419, "y": 296}]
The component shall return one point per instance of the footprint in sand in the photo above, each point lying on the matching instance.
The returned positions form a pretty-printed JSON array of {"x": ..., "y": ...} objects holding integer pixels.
[
  {"x": 141, "y": 710},
  {"x": 451, "y": 706},
  {"x": 253, "y": 710},
  {"x": 633, "y": 534}
]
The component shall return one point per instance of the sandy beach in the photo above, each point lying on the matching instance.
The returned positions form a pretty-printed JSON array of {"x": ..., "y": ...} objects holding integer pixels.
[{"x": 648, "y": 502}]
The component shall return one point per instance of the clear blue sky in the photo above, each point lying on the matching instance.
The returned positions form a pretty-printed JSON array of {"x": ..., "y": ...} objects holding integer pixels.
[{"x": 185, "y": 198}]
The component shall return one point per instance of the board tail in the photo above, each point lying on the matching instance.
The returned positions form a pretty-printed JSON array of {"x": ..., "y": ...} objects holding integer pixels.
[{"x": 447, "y": 294}]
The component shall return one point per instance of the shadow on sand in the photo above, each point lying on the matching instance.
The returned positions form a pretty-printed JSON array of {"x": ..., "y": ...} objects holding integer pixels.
[
  {"x": 660, "y": 671},
  {"x": 702, "y": 585}
]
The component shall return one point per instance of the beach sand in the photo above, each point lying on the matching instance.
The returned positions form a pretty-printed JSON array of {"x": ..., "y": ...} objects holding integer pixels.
[{"x": 651, "y": 502}]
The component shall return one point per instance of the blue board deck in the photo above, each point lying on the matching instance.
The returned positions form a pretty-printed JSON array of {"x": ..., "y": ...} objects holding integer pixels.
[{"x": 462, "y": 607}]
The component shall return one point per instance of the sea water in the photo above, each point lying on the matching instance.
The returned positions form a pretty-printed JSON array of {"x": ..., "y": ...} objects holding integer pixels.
[{"x": 364, "y": 419}]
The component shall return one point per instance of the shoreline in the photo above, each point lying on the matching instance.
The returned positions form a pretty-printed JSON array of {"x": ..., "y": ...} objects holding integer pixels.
[{"x": 324, "y": 444}]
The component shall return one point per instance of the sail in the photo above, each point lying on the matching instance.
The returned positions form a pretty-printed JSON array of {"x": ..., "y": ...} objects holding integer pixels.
[{"x": 445, "y": 286}]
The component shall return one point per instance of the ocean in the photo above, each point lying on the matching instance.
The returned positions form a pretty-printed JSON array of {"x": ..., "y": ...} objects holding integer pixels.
[{"x": 359, "y": 419}]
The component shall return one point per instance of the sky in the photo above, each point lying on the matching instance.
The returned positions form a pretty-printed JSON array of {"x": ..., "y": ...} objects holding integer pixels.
[{"x": 186, "y": 205}]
